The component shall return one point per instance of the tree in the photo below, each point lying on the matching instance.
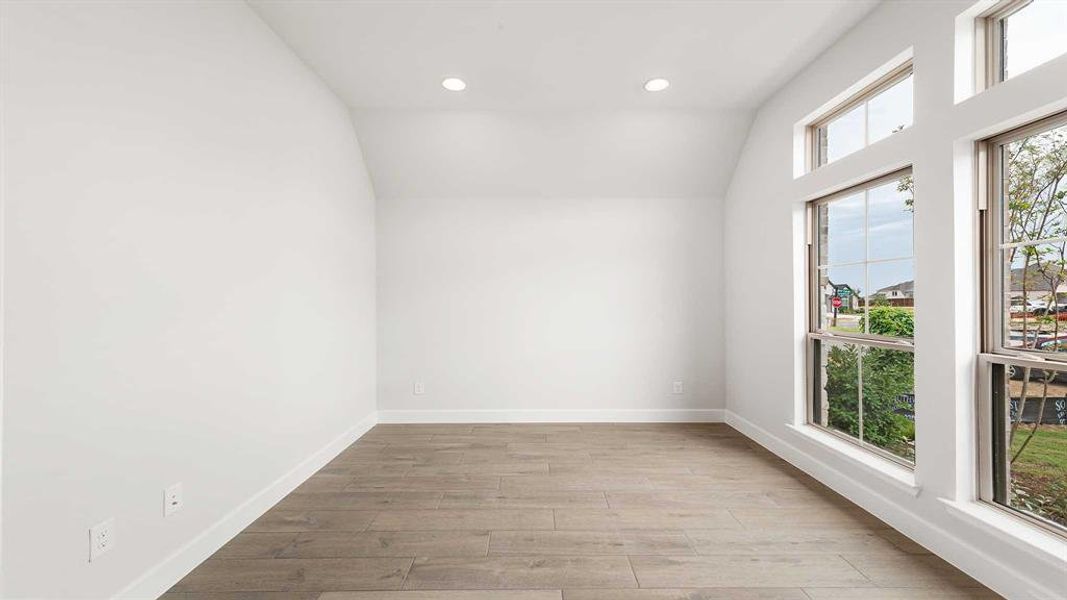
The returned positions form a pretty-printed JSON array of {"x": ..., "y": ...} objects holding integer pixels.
[
  {"x": 1036, "y": 210},
  {"x": 1035, "y": 170}
]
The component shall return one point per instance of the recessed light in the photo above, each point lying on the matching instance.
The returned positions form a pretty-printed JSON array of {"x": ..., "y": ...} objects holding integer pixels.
[
  {"x": 657, "y": 85},
  {"x": 454, "y": 84}
]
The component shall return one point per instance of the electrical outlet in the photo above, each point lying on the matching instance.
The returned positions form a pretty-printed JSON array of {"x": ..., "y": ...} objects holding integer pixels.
[
  {"x": 172, "y": 499},
  {"x": 418, "y": 388},
  {"x": 101, "y": 538},
  {"x": 678, "y": 388}
]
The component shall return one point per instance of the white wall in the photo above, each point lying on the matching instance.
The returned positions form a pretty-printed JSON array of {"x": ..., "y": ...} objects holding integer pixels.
[
  {"x": 764, "y": 226},
  {"x": 536, "y": 262},
  {"x": 189, "y": 279}
]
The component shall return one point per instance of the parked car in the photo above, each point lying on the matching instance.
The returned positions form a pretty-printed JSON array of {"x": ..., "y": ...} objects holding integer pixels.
[
  {"x": 1060, "y": 310},
  {"x": 1052, "y": 344},
  {"x": 1030, "y": 307}
]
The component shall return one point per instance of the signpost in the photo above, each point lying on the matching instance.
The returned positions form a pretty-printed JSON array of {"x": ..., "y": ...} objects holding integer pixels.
[{"x": 837, "y": 300}]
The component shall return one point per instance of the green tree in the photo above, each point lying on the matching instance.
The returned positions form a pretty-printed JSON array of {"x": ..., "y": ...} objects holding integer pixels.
[{"x": 1035, "y": 209}]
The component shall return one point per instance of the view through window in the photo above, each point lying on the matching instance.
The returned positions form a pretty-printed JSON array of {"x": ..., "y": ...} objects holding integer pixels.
[
  {"x": 876, "y": 114},
  {"x": 1031, "y": 33},
  {"x": 1026, "y": 313},
  {"x": 863, "y": 303}
]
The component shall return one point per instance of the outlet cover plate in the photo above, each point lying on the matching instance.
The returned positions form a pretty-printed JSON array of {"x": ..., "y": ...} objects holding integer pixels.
[
  {"x": 101, "y": 538},
  {"x": 173, "y": 499}
]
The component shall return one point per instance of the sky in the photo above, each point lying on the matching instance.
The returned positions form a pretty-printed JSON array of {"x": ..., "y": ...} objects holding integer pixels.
[
  {"x": 887, "y": 112},
  {"x": 1035, "y": 35},
  {"x": 889, "y": 238}
]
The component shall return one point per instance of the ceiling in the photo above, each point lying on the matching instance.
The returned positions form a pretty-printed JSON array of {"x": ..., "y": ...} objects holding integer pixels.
[
  {"x": 559, "y": 55},
  {"x": 535, "y": 154}
]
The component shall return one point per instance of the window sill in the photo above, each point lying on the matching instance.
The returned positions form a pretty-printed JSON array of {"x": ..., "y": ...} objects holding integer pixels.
[
  {"x": 1021, "y": 535},
  {"x": 885, "y": 470}
]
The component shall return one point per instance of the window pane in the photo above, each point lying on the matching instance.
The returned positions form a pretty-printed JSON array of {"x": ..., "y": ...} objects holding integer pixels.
[
  {"x": 1035, "y": 179},
  {"x": 890, "y": 111},
  {"x": 838, "y": 395},
  {"x": 889, "y": 400},
  {"x": 859, "y": 296},
  {"x": 1033, "y": 35},
  {"x": 844, "y": 135},
  {"x": 842, "y": 230},
  {"x": 888, "y": 397},
  {"x": 1033, "y": 207},
  {"x": 890, "y": 213},
  {"x": 1036, "y": 297},
  {"x": 846, "y": 284},
  {"x": 1032, "y": 459},
  {"x": 874, "y": 117}
]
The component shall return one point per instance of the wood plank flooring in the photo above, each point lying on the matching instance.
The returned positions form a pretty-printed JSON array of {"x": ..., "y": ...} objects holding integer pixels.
[{"x": 568, "y": 512}]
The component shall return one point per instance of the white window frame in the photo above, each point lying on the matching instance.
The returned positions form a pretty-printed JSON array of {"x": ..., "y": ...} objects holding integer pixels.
[
  {"x": 815, "y": 154},
  {"x": 816, "y": 335},
  {"x": 991, "y": 480},
  {"x": 990, "y": 41}
]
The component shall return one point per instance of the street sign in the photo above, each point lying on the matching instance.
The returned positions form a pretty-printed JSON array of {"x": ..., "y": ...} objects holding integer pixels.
[
  {"x": 844, "y": 292},
  {"x": 836, "y": 301}
]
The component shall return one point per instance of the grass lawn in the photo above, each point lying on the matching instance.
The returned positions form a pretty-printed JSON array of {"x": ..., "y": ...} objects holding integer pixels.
[{"x": 1039, "y": 475}]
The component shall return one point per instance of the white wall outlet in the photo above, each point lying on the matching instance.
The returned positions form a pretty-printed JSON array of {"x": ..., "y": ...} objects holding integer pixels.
[
  {"x": 172, "y": 499},
  {"x": 418, "y": 388},
  {"x": 101, "y": 538},
  {"x": 678, "y": 388}
]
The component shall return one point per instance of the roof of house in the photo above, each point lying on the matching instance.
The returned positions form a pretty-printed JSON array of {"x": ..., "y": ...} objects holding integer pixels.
[{"x": 905, "y": 287}]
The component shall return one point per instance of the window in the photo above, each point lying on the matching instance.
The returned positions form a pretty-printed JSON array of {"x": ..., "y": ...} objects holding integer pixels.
[
  {"x": 862, "y": 316},
  {"x": 874, "y": 114},
  {"x": 1024, "y": 359},
  {"x": 1022, "y": 34}
]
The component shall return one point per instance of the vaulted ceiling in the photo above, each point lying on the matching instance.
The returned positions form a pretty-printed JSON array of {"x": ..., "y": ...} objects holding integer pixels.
[
  {"x": 555, "y": 101},
  {"x": 559, "y": 54}
]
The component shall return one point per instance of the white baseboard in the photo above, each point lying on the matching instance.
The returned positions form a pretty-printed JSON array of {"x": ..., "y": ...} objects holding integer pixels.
[
  {"x": 681, "y": 415},
  {"x": 974, "y": 561},
  {"x": 170, "y": 570}
]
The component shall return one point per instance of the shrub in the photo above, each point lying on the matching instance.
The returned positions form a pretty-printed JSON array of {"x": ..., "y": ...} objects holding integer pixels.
[
  {"x": 887, "y": 376},
  {"x": 893, "y": 321}
]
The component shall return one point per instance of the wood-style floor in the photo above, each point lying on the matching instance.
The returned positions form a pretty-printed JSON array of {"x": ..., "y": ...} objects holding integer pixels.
[{"x": 571, "y": 511}]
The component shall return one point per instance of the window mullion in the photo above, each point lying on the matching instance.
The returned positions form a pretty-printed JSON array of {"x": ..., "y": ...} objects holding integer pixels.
[
  {"x": 866, "y": 261},
  {"x": 859, "y": 392}
]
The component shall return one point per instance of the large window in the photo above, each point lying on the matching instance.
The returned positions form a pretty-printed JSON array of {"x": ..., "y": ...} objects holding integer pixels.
[
  {"x": 877, "y": 112},
  {"x": 1024, "y": 400},
  {"x": 862, "y": 315},
  {"x": 1022, "y": 34}
]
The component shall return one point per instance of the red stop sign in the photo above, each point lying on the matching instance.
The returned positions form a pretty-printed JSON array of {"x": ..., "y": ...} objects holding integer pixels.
[{"x": 836, "y": 301}]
